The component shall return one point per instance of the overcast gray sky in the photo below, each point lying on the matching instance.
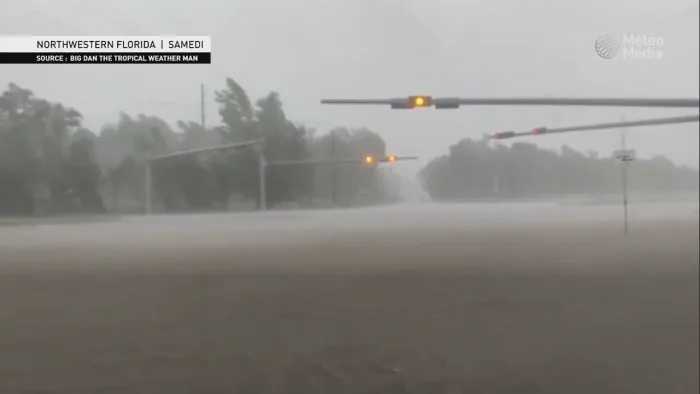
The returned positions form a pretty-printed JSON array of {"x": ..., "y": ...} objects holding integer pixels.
[{"x": 312, "y": 49}]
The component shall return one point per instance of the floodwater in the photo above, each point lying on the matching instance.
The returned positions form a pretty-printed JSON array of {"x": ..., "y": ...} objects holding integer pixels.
[
  {"x": 275, "y": 226},
  {"x": 492, "y": 298}
]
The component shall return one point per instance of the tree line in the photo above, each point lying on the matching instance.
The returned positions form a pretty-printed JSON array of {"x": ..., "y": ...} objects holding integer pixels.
[
  {"x": 50, "y": 163},
  {"x": 478, "y": 169}
]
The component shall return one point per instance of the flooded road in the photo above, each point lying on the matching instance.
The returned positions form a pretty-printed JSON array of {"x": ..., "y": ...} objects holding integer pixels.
[{"x": 529, "y": 298}]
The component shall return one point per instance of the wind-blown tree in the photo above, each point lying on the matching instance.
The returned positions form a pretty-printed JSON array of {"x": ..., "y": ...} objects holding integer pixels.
[
  {"x": 81, "y": 174},
  {"x": 41, "y": 142},
  {"x": 284, "y": 140},
  {"x": 194, "y": 136},
  {"x": 138, "y": 137},
  {"x": 122, "y": 149},
  {"x": 238, "y": 124},
  {"x": 21, "y": 133}
]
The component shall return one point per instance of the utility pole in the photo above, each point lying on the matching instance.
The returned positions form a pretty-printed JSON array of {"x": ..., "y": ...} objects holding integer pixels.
[
  {"x": 496, "y": 174},
  {"x": 625, "y": 156},
  {"x": 624, "y": 176},
  {"x": 496, "y": 185},
  {"x": 333, "y": 171},
  {"x": 262, "y": 168},
  {"x": 148, "y": 187},
  {"x": 201, "y": 95}
]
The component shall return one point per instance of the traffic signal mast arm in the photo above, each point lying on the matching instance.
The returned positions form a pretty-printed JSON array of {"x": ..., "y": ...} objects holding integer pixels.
[
  {"x": 310, "y": 162},
  {"x": 600, "y": 126},
  {"x": 568, "y": 101},
  {"x": 219, "y": 148},
  {"x": 387, "y": 159},
  {"x": 392, "y": 159},
  {"x": 366, "y": 159},
  {"x": 456, "y": 102}
]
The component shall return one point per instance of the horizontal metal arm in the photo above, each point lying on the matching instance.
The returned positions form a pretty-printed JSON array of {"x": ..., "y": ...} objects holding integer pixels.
[
  {"x": 362, "y": 101},
  {"x": 209, "y": 149},
  {"x": 298, "y": 162},
  {"x": 603, "y": 126},
  {"x": 336, "y": 161},
  {"x": 588, "y": 102}
]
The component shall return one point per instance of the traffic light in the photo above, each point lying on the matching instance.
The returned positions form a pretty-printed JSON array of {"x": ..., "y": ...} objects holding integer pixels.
[
  {"x": 539, "y": 130},
  {"x": 371, "y": 160},
  {"x": 420, "y": 101},
  {"x": 412, "y": 102}
]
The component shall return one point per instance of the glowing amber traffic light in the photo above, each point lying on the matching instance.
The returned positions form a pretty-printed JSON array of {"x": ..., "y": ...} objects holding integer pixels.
[
  {"x": 369, "y": 159},
  {"x": 420, "y": 101},
  {"x": 391, "y": 159}
]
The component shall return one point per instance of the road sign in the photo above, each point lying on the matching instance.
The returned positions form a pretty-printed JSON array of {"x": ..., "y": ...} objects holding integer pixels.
[{"x": 625, "y": 154}]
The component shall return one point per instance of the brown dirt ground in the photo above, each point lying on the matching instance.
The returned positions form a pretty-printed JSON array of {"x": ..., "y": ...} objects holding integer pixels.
[{"x": 560, "y": 310}]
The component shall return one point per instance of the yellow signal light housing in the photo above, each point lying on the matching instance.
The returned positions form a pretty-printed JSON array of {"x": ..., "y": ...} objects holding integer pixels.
[
  {"x": 369, "y": 159},
  {"x": 420, "y": 101},
  {"x": 391, "y": 159}
]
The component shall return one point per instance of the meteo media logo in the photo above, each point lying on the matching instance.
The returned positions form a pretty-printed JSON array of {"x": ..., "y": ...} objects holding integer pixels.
[{"x": 632, "y": 46}]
